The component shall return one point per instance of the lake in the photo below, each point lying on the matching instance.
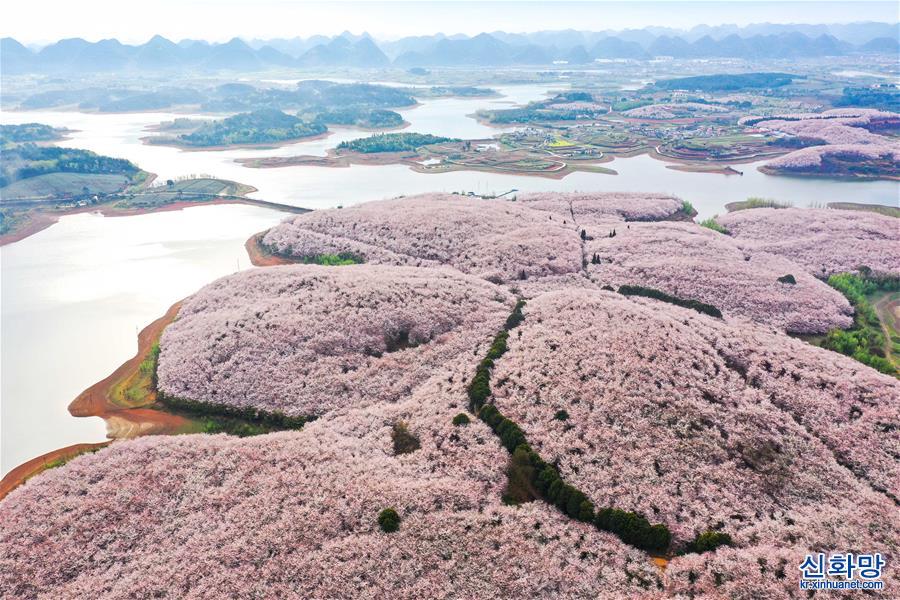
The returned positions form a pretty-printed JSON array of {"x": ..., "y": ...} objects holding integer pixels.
[
  {"x": 320, "y": 187},
  {"x": 74, "y": 295}
]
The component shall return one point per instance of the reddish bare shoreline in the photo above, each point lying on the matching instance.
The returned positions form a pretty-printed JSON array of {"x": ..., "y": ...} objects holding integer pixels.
[
  {"x": 96, "y": 401},
  {"x": 260, "y": 256},
  {"x": 30, "y": 468}
]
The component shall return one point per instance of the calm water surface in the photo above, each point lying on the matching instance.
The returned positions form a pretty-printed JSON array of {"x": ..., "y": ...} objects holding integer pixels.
[
  {"x": 320, "y": 187},
  {"x": 74, "y": 294}
]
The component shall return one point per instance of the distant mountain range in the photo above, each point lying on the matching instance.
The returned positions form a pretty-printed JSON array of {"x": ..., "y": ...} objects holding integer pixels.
[{"x": 486, "y": 49}]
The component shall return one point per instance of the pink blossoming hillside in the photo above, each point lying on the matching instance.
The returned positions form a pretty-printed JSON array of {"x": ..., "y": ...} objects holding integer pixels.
[
  {"x": 303, "y": 339},
  {"x": 294, "y": 514},
  {"x": 534, "y": 245},
  {"x": 698, "y": 424},
  {"x": 850, "y": 135},
  {"x": 495, "y": 240},
  {"x": 824, "y": 241},
  {"x": 696, "y": 263},
  {"x": 587, "y": 207}
]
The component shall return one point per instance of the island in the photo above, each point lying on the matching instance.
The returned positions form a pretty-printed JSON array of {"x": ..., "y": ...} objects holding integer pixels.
[
  {"x": 40, "y": 183},
  {"x": 426, "y": 153},
  {"x": 264, "y": 127}
]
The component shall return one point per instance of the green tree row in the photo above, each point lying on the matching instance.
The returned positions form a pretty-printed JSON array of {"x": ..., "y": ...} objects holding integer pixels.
[
  {"x": 637, "y": 290},
  {"x": 865, "y": 341},
  {"x": 544, "y": 480},
  {"x": 393, "y": 142}
]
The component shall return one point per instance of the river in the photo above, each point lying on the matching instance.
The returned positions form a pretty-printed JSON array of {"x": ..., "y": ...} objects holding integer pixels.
[{"x": 74, "y": 295}]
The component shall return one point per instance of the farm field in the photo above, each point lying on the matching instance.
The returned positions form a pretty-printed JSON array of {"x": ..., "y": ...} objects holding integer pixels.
[{"x": 57, "y": 186}]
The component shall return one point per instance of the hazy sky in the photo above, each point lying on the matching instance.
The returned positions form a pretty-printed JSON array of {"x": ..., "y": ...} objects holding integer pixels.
[{"x": 37, "y": 21}]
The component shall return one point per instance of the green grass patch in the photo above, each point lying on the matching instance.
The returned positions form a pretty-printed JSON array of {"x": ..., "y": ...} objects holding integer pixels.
[
  {"x": 888, "y": 211},
  {"x": 333, "y": 260},
  {"x": 561, "y": 143},
  {"x": 865, "y": 341},
  {"x": 140, "y": 388},
  {"x": 711, "y": 223},
  {"x": 756, "y": 202}
]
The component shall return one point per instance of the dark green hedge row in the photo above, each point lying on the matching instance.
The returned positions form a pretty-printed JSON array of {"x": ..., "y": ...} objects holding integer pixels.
[
  {"x": 632, "y": 528},
  {"x": 707, "y": 541},
  {"x": 480, "y": 387},
  {"x": 273, "y": 420},
  {"x": 636, "y": 290}
]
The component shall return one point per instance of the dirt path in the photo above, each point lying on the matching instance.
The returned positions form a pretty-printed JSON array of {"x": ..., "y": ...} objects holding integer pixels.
[{"x": 888, "y": 310}]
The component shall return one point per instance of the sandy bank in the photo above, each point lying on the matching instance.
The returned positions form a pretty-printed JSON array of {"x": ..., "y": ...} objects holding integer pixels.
[
  {"x": 260, "y": 256},
  {"x": 29, "y": 469}
]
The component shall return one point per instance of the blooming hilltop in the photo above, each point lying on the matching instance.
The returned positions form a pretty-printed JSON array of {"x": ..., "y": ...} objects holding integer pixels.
[
  {"x": 823, "y": 242},
  {"x": 846, "y": 136},
  {"x": 305, "y": 339},
  {"x": 499, "y": 398}
]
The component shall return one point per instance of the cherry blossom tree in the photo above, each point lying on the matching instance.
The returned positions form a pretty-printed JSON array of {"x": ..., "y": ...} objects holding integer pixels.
[
  {"x": 304, "y": 339},
  {"x": 849, "y": 134},
  {"x": 699, "y": 424},
  {"x": 823, "y": 241},
  {"x": 696, "y": 263}
]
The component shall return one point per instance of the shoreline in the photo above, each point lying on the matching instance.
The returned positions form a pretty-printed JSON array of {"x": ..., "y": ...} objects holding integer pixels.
[
  {"x": 344, "y": 161},
  {"x": 41, "y": 219},
  {"x": 715, "y": 169},
  {"x": 172, "y": 142},
  {"x": 775, "y": 172},
  {"x": 96, "y": 401},
  {"x": 259, "y": 256},
  {"x": 123, "y": 422},
  {"x": 28, "y": 469},
  {"x": 147, "y": 140}
]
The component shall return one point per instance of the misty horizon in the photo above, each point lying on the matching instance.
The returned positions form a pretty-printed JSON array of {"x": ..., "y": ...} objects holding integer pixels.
[
  {"x": 658, "y": 30},
  {"x": 395, "y": 20}
]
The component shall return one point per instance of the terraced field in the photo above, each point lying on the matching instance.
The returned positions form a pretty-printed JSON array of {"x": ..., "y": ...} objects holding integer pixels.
[{"x": 54, "y": 186}]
